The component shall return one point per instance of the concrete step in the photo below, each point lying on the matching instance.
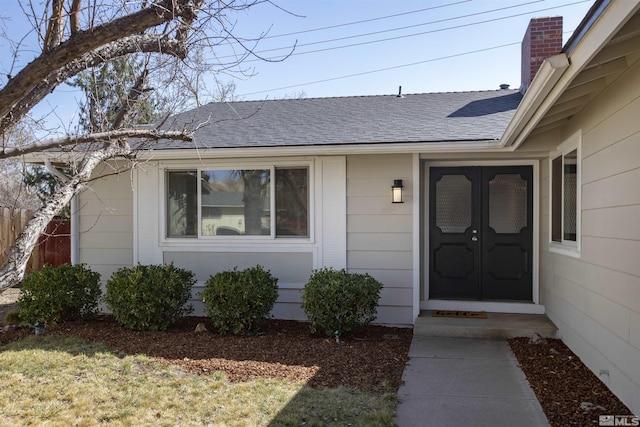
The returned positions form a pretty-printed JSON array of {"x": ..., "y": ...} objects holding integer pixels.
[{"x": 496, "y": 325}]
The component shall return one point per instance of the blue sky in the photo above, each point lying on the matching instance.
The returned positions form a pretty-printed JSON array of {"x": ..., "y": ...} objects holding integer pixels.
[
  {"x": 441, "y": 51},
  {"x": 454, "y": 45}
]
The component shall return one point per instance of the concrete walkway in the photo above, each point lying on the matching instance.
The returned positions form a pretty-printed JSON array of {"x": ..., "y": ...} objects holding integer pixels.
[{"x": 465, "y": 381}]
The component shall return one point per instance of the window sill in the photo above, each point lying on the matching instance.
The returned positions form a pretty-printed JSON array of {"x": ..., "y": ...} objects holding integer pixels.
[
  {"x": 563, "y": 249},
  {"x": 235, "y": 242}
]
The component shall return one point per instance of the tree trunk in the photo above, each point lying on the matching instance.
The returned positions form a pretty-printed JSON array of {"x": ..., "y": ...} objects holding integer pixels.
[{"x": 15, "y": 264}]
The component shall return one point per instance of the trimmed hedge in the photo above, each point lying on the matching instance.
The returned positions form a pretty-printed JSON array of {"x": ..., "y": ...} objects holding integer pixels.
[
  {"x": 59, "y": 294},
  {"x": 149, "y": 297},
  {"x": 238, "y": 301},
  {"x": 337, "y": 302}
]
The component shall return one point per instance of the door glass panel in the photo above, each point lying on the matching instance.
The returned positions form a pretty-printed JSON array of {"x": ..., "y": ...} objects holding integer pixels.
[
  {"x": 507, "y": 203},
  {"x": 453, "y": 203}
]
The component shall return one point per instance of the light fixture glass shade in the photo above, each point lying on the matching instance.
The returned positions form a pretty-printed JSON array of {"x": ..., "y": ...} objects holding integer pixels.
[{"x": 396, "y": 191}]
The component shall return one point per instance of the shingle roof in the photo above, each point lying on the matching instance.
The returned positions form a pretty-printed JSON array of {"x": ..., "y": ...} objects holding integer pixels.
[{"x": 430, "y": 117}]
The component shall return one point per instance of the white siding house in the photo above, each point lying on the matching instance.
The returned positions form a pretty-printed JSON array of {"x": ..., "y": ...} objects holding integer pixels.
[
  {"x": 104, "y": 223},
  {"x": 379, "y": 233},
  {"x": 522, "y": 201}
]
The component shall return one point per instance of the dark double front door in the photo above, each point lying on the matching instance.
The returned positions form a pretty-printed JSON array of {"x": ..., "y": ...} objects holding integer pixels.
[{"x": 481, "y": 233}]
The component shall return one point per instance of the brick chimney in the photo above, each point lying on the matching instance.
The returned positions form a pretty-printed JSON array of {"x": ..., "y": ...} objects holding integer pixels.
[{"x": 542, "y": 40}]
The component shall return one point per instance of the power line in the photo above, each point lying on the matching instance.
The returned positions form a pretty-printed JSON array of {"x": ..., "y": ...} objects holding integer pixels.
[
  {"x": 390, "y": 30},
  {"x": 388, "y": 68},
  {"x": 367, "y": 20},
  {"x": 383, "y": 69},
  {"x": 409, "y": 35}
]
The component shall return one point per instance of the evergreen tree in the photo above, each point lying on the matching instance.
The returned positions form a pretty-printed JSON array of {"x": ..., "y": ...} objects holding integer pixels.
[{"x": 106, "y": 90}]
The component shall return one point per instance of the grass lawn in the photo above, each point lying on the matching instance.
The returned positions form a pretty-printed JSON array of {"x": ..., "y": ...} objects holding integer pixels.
[{"x": 57, "y": 380}]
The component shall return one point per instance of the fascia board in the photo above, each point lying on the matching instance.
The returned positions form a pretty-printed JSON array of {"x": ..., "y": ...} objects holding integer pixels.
[
  {"x": 316, "y": 150},
  {"x": 322, "y": 150}
]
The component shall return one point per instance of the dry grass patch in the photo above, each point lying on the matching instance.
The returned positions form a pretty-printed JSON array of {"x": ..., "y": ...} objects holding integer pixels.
[{"x": 61, "y": 380}]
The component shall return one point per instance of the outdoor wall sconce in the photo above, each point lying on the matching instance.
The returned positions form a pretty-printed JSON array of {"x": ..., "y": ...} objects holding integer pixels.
[{"x": 396, "y": 191}]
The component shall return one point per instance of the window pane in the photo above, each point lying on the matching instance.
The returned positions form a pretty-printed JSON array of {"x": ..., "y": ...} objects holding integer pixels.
[
  {"x": 182, "y": 205},
  {"x": 556, "y": 199},
  {"x": 570, "y": 195},
  {"x": 292, "y": 202},
  {"x": 235, "y": 202}
]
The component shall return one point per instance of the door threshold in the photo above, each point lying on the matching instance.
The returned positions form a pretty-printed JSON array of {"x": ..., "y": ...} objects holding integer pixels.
[{"x": 488, "y": 306}]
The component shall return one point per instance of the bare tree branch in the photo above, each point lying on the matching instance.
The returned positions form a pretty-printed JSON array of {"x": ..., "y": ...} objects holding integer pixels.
[
  {"x": 84, "y": 42},
  {"x": 114, "y": 135},
  {"x": 55, "y": 29},
  {"x": 134, "y": 94},
  {"x": 144, "y": 43},
  {"x": 187, "y": 24},
  {"x": 74, "y": 16}
]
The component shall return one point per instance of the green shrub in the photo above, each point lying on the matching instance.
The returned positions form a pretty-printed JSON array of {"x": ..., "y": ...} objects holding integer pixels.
[
  {"x": 149, "y": 297},
  {"x": 13, "y": 317},
  {"x": 337, "y": 301},
  {"x": 59, "y": 294},
  {"x": 238, "y": 301}
]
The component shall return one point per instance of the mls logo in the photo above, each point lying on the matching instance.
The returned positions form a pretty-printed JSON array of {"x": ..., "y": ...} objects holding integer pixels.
[{"x": 619, "y": 420}]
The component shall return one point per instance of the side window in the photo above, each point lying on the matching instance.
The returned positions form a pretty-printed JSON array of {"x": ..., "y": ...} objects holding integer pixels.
[
  {"x": 564, "y": 197},
  {"x": 292, "y": 202},
  {"x": 182, "y": 203}
]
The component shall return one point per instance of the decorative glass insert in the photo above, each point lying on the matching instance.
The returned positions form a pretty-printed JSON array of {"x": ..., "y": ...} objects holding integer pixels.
[
  {"x": 570, "y": 195},
  {"x": 453, "y": 203},
  {"x": 292, "y": 202},
  {"x": 182, "y": 203},
  {"x": 507, "y": 203},
  {"x": 235, "y": 202},
  {"x": 556, "y": 199}
]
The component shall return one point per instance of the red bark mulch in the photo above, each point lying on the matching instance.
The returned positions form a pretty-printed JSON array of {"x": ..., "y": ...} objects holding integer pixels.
[{"x": 569, "y": 393}]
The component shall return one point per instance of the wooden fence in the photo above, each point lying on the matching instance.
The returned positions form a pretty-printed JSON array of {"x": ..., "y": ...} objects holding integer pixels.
[{"x": 53, "y": 247}]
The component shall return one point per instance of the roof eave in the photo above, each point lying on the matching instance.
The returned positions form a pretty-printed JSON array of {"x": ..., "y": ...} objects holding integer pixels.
[
  {"x": 322, "y": 150},
  {"x": 545, "y": 80},
  {"x": 471, "y": 146},
  {"x": 598, "y": 27}
]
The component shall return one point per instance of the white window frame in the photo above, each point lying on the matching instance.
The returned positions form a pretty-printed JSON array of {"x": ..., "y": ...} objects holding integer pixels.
[
  {"x": 248, "y": 165},
  {"x": 566, "y": 247}
]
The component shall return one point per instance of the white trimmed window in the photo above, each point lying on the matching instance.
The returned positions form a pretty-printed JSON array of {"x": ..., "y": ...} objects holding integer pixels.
[
  {"x": 565, "y": 196},
  {"x": 261, "y": 202}
]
